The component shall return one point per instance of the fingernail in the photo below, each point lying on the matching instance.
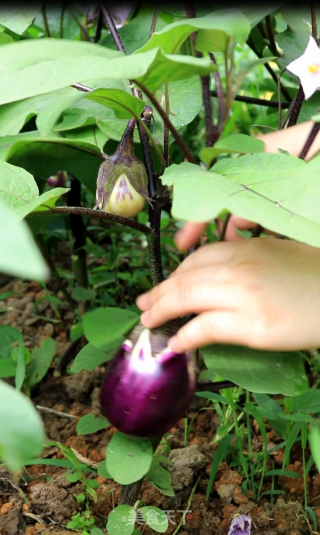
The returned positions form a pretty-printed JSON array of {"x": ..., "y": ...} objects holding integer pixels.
[
  {"x": 142, "y": 301},
  {"x": 145, "y": 317}
]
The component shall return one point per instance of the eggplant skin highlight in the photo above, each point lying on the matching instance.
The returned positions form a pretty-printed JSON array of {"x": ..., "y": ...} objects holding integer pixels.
[{"x": 148, "y": 387}]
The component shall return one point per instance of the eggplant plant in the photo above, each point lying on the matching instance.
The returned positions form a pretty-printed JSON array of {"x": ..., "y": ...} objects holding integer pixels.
[{"x": 105, "y": 119}]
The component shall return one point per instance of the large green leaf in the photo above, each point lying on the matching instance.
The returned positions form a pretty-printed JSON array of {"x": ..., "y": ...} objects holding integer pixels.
[
  {"x": 134, "y": 34},
  {"x": 236, "y": 143},
  {"x": 104, "y": 325},
  {"x": 294, "y": 40},
  {"x": 90, "y": 424},
  {"x": 19, "y": 190},
  {"x": 19, "y": 18},
  {"x": 121, "y": 520},
  {"x": 27, "y": 69},
  {"x": 14, "y": 115},
  {"x": 19, "y": 255},
  {"x": 213, "y": 31},
  {"x": 41, "y": 359},
  {"x": 265, "y": 372},
  {"x": 8, "y": 335},
  {"x": 45, "y": 157},
  {"x": 124, "y": 104},
  {"x": 128, "y": 459},
  {"x": 89, "y": 357},
  {"x": 278, "y": 191},
  {"x": 21, "y": 429}
]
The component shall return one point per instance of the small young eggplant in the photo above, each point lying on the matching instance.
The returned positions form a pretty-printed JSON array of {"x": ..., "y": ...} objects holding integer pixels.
[
  {"x": 122, "y": 183},
  {"x": 148, "y": 387}
]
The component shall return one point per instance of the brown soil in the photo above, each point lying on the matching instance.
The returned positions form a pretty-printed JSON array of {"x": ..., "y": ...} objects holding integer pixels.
[{"x": 41, "y": 501}]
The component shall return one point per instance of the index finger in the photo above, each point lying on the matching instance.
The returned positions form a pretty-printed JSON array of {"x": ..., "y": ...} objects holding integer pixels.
[{"x": 213, "y": 253}]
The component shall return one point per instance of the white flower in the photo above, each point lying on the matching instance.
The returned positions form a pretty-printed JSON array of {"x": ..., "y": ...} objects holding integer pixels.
[{"x": 307, "y": 68}]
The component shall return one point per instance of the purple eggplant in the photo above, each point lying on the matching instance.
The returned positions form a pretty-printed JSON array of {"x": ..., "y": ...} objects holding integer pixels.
[{"x": 148, "y": 387}]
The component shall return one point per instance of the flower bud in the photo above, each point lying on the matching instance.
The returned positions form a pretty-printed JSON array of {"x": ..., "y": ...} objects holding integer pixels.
[
  {"x": 148, "y": 387},
  {"x": 122, "y": 183},
  {"x": 59, "y": 180}
]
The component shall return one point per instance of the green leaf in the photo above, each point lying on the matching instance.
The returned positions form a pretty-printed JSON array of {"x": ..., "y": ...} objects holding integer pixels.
[
  {"x": 276, "y": 190},
  {"x": 41, "y": 359},
  {"x": 21, "y": 368},
  {"x": 121, "y": 520},
  {"x": 213, "y": 31},
  {"x": 314, "y": 441},
  {"x": 19, "y": 18},
  {"x": 89, "y": 357},
  {"x": 298, "y": 417},
  {"x": 22, "y": 433},
  {"x": 19, "y": 255},
  {"x": 45, "y": 157},
  {"x": 103, "y": 325},
  {"x": 135, "y": 34},
  {"x": 291, "y": 438},
  {"x": 280, "y": 472},
  {"x": 236, "y": 143},
  {"x": 8, "y": 368},
  {"x": 124, "y": 104},
  {"x": 128, "y": 459},
  {"x": 96, "y": 531},
  {"x": 258, "y": 371},
  {"x": 90, "y": 424},
  {"x": 8, "y": 335},
  {"x": 19, "y": 190},
  {"x": 83, "y": 294},
  {"x": 308, "y": 402},
  {"x": 219, "y": 455},
  {"x": 29, "y": 69},
  {"x": 5, "y": 39},
  {"x": 102, "y": 470},
  {"x": 155, "y": 518},
  {"x": 160, "y": 478}
]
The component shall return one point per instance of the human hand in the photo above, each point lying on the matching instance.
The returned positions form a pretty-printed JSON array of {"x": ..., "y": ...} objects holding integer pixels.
[
  {"x": 190, "y": 234},
  {"x": 263, "y": 293}
]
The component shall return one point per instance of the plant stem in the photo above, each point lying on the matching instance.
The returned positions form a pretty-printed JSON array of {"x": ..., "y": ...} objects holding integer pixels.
[
  {"x": 97, "y": 36},
  {"x": 83, "y": 88},
  {"x": 82, "y": 28},
  {"x": 224, "y": 228},
  {"x": 112, "y": 29},
  {"x": 284, "y": 91},
  {"x": 165, "y": 128},
  {"x": 78, "y": 210},
  {"x": 188, "y": 504},
  {"x": 313, "y": 134},
  {"x": 219, "y": 94},
  {"x": 258, "y": 101},
  {"x": 272, "y": 43},
  {"x": 154, "y": 245},
  {"x": 212, "y": 134},
  {"x": 154, "y": 20},
  {"x": 167, "y": 122},
  {"x": 214, "y": 387},
  {"x": 314, "y": 21},
  {"x": 129, "y": 493},
  {"x": 78, "y": 232},
  {"x": 294, "y": 110},
  {"x": 45, "y": 21}
]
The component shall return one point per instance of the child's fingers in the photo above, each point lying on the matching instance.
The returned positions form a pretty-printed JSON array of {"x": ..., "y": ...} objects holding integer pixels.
[
  {"x": 210, "y": 254},
  {"x": 189, "y": 235},
  {"x": 192, "y": 299},
  {"x": 215, "y": 327}
]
